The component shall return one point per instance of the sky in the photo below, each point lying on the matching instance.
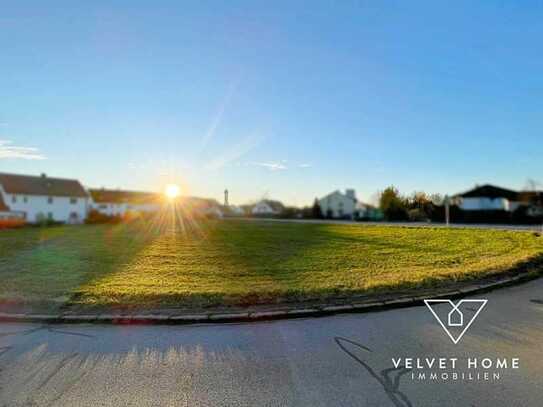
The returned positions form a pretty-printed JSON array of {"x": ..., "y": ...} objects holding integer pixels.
[{"x": 286, "y": 100}]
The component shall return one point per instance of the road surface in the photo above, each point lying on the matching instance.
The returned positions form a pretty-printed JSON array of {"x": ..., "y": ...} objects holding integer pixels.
[{"x": 343, "y": 360}]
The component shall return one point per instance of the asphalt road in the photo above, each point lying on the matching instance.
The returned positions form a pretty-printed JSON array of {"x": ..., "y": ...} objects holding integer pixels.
[{"x": 300, "y": 362}]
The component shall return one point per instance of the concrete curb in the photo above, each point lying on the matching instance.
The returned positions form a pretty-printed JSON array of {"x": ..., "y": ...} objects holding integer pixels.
[{"x": 252, "y": 316}]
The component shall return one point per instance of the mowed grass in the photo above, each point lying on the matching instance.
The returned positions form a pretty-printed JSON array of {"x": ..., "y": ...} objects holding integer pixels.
[{"x": 243, "y": 263}]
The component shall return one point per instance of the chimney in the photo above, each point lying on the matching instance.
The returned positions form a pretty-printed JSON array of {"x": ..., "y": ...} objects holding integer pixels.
[{"x": 350, "y": 193}]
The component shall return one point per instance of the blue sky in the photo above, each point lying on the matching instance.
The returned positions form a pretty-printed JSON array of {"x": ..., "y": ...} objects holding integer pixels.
[{"x": 288, "y": 100}]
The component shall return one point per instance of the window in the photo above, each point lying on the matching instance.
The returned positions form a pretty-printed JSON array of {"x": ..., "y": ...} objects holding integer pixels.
[
  {"x": 14, "y": 199},
  {"x": 50, "y": 215},
  {"x": 50, "y": 200},
  {"x": 102, "y": 206},
  {"x": 73, "y": 201},
  {"x": 25, "y": 199}
]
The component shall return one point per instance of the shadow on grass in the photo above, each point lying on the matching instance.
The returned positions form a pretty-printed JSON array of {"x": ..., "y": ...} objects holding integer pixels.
[
  {"x": 253, "y": 263},
  {"x": 239, "y": 264},
  {"x": 52, "y": 263}
]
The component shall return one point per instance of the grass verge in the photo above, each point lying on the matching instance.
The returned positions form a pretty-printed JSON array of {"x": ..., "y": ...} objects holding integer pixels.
[{"x": 244, "y": 263}]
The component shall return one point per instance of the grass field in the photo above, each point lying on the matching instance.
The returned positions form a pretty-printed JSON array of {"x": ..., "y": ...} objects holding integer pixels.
[{"x": 241, "y": 262}]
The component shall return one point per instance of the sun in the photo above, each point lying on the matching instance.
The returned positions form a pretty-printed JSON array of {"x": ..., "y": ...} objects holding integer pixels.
[{"x": 172, "y": 191}]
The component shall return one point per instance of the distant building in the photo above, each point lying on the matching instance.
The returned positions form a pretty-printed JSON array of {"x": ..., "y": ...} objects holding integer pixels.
[
  {"x": 201, "y": 207},
  {"x": 113, "y": 202},
  {"x": 233, "y": 210},
  {"x": 40, "y": 198},
  {"x": 488, "y": 198},
  {"x": 339, "y": 205},
  {"x": 267, "y": 207}
]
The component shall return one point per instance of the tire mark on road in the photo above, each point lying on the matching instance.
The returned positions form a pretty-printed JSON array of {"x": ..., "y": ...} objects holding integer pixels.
[
  {"x": 391, "y": 387},
  {"x": 67, "y": 385},
  {"x": 62, "y": 363}
]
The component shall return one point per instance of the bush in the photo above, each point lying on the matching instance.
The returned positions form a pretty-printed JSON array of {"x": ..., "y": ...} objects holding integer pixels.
[
  {"x": 11, "y": 223},
  {"x": 417, "y": 215},
  {"x": 44, "y": 221},
  {"x": 94, "y": 217}
]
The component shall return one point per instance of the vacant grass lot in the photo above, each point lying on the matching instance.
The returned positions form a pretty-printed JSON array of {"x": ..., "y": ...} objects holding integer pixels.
[{"x": 240, "y": 262}]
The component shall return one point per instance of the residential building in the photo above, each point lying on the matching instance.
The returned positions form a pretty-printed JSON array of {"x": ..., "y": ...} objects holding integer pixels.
[
  {"x": 115, "y": 202},
  {"x": 488, "y": 198},
  {"x": 267, "y": 207},
  {"x": 339, "y": 205},
  {"x": 40, "y": 198},
  {"x": 201, "y": 207}
]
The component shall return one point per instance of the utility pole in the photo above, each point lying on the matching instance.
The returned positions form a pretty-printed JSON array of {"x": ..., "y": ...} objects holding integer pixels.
[
  {"x": 447, "y": 203},
  {"x": 226, "y": 197}
]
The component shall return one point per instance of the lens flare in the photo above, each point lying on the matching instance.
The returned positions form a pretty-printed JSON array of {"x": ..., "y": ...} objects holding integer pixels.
[{"x": 172, "y": 191}]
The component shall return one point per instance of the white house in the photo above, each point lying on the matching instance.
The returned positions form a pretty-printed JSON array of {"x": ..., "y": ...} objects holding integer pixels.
[
  {"x": 339, "y": 205},
  {"x": 267, "y": 207},
  {"x": 201, "y": 207},
  {"x": 118, "y": 203},
  {"x": 38, "y": 198},
  {"x": 488, "y": 197}
]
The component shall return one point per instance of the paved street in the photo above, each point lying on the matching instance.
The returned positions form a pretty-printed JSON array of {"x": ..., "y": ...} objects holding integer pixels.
[{"x": 343, "y": 360}]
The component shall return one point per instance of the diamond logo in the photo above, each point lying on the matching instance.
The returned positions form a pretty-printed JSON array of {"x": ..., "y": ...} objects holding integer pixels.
[{"x": 455, "y": 322}]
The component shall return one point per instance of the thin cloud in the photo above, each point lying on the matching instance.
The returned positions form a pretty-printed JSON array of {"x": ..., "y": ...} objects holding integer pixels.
[
  {"x": 305, "y": 166},
  {"x": 8, "y": 150},
  {"x": 273, "y": 166},
  {"x": 215, "y": 123},
  {"x": 235, "y": 152}
]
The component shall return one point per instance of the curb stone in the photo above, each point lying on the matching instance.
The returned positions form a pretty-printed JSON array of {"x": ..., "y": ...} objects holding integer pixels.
[{"x": 252, "y": 316}]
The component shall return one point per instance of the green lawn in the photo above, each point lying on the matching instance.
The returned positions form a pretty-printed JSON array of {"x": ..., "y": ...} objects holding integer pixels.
[{"x": 241, "y": 262}]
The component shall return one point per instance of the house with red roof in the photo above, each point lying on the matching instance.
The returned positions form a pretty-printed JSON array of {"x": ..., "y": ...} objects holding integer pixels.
[{"x": 41, "y": 198}]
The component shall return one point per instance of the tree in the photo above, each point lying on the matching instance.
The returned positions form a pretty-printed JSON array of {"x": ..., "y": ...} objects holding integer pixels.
[
  {"x": 392, "y": 204},
  {"x": 316, "y": 211},
  {"x": 420, "y": 206}
]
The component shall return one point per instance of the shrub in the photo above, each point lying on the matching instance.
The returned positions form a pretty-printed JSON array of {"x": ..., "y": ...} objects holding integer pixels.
[
  {"x": 11, "y": 223},
  {"x": 94, "y": 217},
  {"x": 417, "y": 215}
]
